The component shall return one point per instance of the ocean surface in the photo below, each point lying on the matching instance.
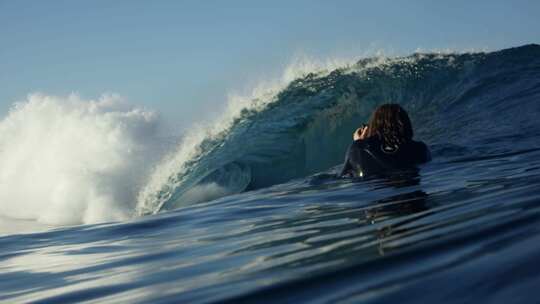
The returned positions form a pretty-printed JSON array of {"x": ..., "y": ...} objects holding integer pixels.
[{"x": 95, "y": 207}]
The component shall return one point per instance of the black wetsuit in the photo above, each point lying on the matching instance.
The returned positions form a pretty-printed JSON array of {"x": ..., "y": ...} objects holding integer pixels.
[{"x": 370, "y": 157}]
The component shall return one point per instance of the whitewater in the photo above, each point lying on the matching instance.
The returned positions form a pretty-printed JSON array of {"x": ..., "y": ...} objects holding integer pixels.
[
  {"x": 70, "y": 161},
  {"x": 97, "y": 205}
]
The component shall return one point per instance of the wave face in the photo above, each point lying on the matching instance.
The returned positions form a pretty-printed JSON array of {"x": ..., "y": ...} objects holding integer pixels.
[{"x": 306, "y": 127}]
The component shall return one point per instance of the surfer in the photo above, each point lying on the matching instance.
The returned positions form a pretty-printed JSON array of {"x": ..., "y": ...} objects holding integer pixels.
[{"x": 384, "y": 144}]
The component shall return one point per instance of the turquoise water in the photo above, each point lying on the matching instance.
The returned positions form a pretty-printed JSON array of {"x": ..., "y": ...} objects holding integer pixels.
[{"x": 464, "y": 229}]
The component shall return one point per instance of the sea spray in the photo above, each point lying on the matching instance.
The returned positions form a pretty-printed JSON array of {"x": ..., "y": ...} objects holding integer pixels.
[{"x": 70, "y": 161}]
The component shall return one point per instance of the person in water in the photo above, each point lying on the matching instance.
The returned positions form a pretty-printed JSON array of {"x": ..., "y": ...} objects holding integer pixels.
[{"x": 384, "y": 145}]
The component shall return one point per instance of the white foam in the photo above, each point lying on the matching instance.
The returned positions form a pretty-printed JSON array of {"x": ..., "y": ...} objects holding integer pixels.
[{"x": 65, "y": 160}]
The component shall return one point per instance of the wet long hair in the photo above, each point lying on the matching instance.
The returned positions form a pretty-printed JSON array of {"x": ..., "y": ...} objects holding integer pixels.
[{"x": 391, "y": 124}]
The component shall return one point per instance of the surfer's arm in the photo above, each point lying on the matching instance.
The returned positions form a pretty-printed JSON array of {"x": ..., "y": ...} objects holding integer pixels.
[
  {"x": 347, "y": 167},
  {"x": 360, "y": 133}
]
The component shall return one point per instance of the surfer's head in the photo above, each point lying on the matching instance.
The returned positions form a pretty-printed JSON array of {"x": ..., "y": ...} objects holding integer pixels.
[{"x": 391, "y": 123}]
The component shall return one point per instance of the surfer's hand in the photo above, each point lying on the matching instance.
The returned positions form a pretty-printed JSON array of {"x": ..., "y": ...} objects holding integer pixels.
[{"x": 360, "y": 133}]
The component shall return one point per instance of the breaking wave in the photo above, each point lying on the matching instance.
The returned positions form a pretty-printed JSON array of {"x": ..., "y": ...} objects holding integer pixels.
[{"x": 65, "y": 160}]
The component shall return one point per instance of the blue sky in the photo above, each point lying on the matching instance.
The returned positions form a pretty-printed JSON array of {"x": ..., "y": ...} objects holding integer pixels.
[{"x": 181, "y": 58}]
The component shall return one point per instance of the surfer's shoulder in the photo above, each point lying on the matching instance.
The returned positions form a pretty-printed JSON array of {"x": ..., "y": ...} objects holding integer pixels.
[
  {"x": 422, "y": 150},
  {"x": 366, "y": 142}
]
